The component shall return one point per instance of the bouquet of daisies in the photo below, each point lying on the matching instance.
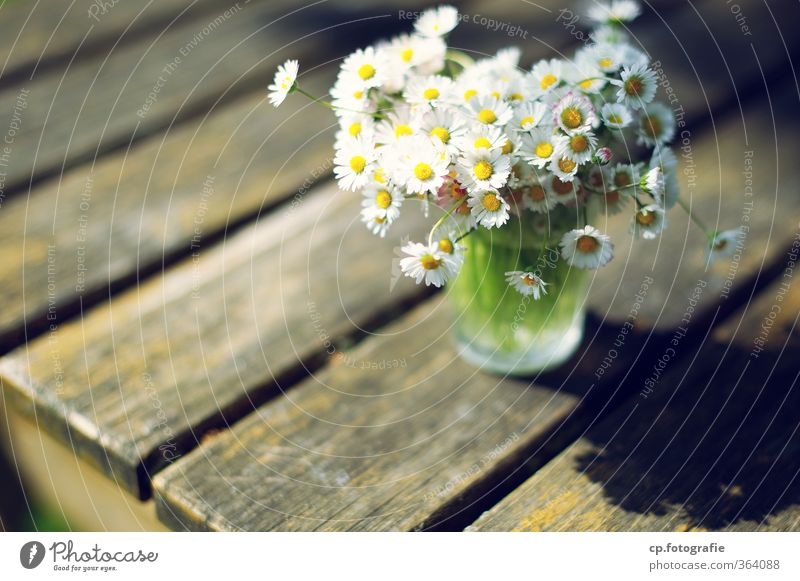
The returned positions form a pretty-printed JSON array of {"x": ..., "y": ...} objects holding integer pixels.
[{"x": 482, "y": 140}]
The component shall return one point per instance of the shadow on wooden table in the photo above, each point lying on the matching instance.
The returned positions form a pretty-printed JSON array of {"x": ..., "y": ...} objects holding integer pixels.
[{"x": 715, "y": 446}]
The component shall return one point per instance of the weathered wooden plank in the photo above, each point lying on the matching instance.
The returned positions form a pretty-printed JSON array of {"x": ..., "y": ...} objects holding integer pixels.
[
  {"x": 42, "y": 34},
  {"x": 363, "y": 446},
  {"x": 714, "y": 446},
  {"x": 133, "y": 383},
  {"x": 93, "y": 106}
]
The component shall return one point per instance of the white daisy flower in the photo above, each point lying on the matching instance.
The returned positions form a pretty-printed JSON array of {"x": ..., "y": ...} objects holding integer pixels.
[
  {"x": 452, "y": 251},
  {"x": 565, "y": 192},
  {"x": 622, "y": 177},
  {"x": 489, "y": 110},
  {"x": 355, "y": 125},
  {"x": 538, "y": 198},
  {"x": 378, "y": 225},
  {"x": 616, "y": 115},
  {"x": 425, "y": 164},
  {"x": 437, "y": 21},
  {"x": 483, "y": 169},
  {"x": 364, "y": 69},
  {"x": 479, "y": 137},
  {"x": 637, "y": 86},
  {"x": 538, "y": 147},
  {"x": 425, "y": 263},
  {"x": 614, "y": 12},
  {"x": 528, "y": 116},
  {"x": 574, "y": 113},
  {"x": 354, "y": 163},
  {"x": 578, "y": 147},
  {"x": 400, "y": 123},
  {"x": 664, "y": 158},
  {"x": 656, "y": 125},
  {"x": 653, "y": 183},
  {"x": 648, "y": 222},
  {"x": 546, "y": 76},
  {"x": 381, "y": 201},
  {"x": 586, "y": 247},
  {"x": 347, "y": 98},
  {"x": 585, "y": 76},
  {"x": 445, "y": 125},
  {"x": 283, "y": 83},
  {"x": 453, "y": 194},
  {"x": 430, "y": 90},
  {"x": 489, "y": 208},
  {"x": 724, "y": 244},
  {"x": 527, "y": 283},
  {"x": 417, "y": 51},
  {"x": 604, "y": 57},
  {"x": 564, "y": 168}
]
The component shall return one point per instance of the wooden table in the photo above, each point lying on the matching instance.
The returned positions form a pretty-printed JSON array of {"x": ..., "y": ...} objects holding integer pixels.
[{"x": 198, "y": 333}]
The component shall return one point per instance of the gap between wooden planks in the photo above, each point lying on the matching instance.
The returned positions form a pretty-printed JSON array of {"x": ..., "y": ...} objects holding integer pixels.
[{"x": 262, "y": 474}]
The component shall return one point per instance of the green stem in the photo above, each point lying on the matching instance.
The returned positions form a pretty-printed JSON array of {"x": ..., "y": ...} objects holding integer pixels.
[
  {"x": 441, "y": 220},
  {"x": 460, "y": 58},
  {"x": 333, "y": 107},
  {"x": 682, "y": 203}
]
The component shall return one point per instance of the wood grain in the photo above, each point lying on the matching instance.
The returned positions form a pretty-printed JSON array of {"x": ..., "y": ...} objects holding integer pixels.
[
  {"x": 133, "y": 384},
  {"x": 43, "y": 34},
  {"x": 715, "y": 447},
  {"x": 358, "y": 447},
  {"x": 93, "y": 106}
]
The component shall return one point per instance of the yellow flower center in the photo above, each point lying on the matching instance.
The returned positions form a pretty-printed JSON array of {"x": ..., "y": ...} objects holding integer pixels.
[
  {"x": 587, "y": 244},
  {"x": 379, "y": 177},
  {"x": 354, "y": 129},
  {"x": 366, "y": 71},
  {"x": 358, "y": 94},
  {"x": 622, "y": 179},
  {"x": 633, "y": 86},
  {"x": 491, "y": 202},
  {"x": 383, "y": 199},
  {"x": 445, "y": 245},
  {"x": 508, "y": 147},
  {"x": 487, "y": 116},
  {"x": 402, "y": 130},
  {"x": 720, "y": 244},
  {"x": 586, "y": 84},
  {"x": 516, "y": 97},
  {"x": 561, "y": 188},
  {"x": 495, "y": 94},
  {"x": 429, "y": 262},
  {"x": 605, "y": 62},
  {"x": 645, "y": 218},
  {"x": 537, "y": 193},
  {"x": 544, "y": 149},
  {"x": 529, "y": 280},
  {"x": 614, "y": 118},
  {"x": 566, "y": 165},
  {"x": 442, "y": 133},
  {"x": 651, "y": 125},
  {"x": 527, "y": 120},
  {"x": 579, "y": 143},
  {"x": 469, "y": 94},
  {"x": 548, "y": 81},
  {"x": 431, "y": 94},
  {"x": 483, "y": 170},
  {"x": 407, "y": 54},
  {"x": 423, "y": 171},
  {"x": 358, "y": 163},
  {"x": 571, "y": 117},
  {"x": 482, "y": 143}
]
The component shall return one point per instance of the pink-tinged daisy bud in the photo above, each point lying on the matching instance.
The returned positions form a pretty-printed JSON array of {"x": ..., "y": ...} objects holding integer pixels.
[{"x": 603, "y": 156}]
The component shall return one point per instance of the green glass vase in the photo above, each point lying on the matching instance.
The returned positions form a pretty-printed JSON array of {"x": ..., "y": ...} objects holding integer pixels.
[{"x": 502, "y": 331}]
